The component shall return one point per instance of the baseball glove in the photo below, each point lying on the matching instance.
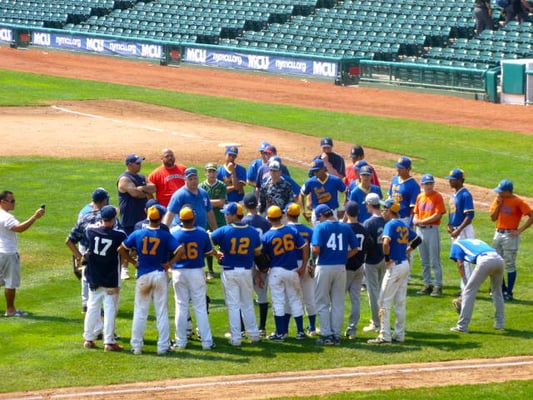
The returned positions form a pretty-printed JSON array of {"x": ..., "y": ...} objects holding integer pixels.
[
  {"x": 77, "y": 268},
  {"x": 457, "y": 304},
  {"x": 311, "y": 266},
  {"x": 263, "y": 262}
]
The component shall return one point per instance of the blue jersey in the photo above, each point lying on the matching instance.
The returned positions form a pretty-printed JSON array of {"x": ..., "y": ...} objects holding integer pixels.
[
  {"x": 324, "y": 192},
  {"x": 305, "y": 232},
  {"x": 404, "y": 193},
  {"x": 78, "y": 233},
  {"x": 225, "y": 176},
  {"x": 281, "y": 244},
  {"x": 253, "y": 170},
  {"x": 263, "y": 173},
  {"x": 400, "y": 236},
  {"x": 461, "y": 206},
  {"x": 259, "y": 222},
  {"x": 335, "y": 239},
  {"x": 153, "y": 247},
  {"x": 103, "y": 263},
  {"x": 238, "y": 242},
  {"x": 196, "y": 243},
  {"x": 469, "y": 249},
  {"x": 358, "y": 194},
  {"x": 374, "y": 225},
  {"x": 199, "y": 202}
]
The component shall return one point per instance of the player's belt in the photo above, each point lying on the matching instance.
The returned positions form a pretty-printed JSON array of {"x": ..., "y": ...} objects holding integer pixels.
[
  {"x": 426, "y": 226},
  {"x": 232, "y": 268},
  {"x": 397, "y": 262},
  {"x": 504, "y": 230}
]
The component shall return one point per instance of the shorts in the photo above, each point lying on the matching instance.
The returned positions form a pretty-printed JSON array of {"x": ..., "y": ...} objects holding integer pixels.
[{"x": 10, "y": 270}]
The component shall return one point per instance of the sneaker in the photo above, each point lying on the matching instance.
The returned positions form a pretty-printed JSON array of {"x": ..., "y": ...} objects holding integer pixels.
[
  {"x": 458, "y": 329},
  {"x": 254, "y": 339},
  {"x": 89, "y": 344},
  {"x": 301, "y": 336},
  {"x": 190, "y": 333},
  {"x": 234, "y": 344},
  {"x": 499, "y": 328},
  {"x": 327, "y": 341},
  {"x": 378, "y": 340},
  {"x": 113, "y": 347},
  {"x": 262, "y": 333},
  {"x": 436, "y": 292},
  {"x": 124, "y": 274},
  {"x": 168, "y": 350},
  {"x": 427, "y": 289},
  {"x": 312, "y": 332},
  {"x": 210, "y": 275},
  {"x": 276, "y": 337},
  {"x": 457, "y": 304},
  {"x": 371, "y": 328},
  {"x": 350, "y": 332},
  {"x": 84, "y": 310},
  {"x": 398, "y": 339},
  {"x": 136, "y": 352},
  {"x": 209, "y": 346},
  {"x": 174, "y": 346},
  {"x": 508, "y": 297}
]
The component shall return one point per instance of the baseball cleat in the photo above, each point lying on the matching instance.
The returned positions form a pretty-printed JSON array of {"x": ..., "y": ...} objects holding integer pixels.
[
  {"x": 378, "y": 340},
  {"x": 301, "y": 336},
  {"x": 89, "y": 344},
  {"x": 458, "y": 329},
  {"x": 113, "y": 347}
]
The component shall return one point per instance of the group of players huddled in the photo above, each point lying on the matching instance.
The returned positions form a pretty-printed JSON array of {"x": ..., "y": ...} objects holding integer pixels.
[{"x": 170, "y": 223}]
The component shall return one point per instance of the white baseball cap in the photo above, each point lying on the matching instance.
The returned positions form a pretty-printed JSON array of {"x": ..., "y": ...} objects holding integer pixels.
[{"x": 372, "y": 199}]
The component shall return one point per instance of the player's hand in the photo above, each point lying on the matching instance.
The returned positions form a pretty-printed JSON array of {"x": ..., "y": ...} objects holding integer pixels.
[
  {"x": 39, "y": 213},
  {"x": 307, "y": 215},
  {"x": 219, "y": 255}
]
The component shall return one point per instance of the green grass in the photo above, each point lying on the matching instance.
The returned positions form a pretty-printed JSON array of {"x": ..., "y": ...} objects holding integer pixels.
[{"x": 44, "y": 350}]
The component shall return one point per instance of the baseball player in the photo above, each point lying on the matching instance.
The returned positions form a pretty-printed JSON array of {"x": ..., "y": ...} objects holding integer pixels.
[
  {"x": 281, "y": 243},
  {"x": 189, "y": 281},
  {"x": 103, "y": 277},
  {"x": 292, "y": 211},
  {"x": 153, "y": 245},
  {"x": 168, "y": 177},
  {"x": 265, "y": 151},
  {"x": 275, "y": 190},
  {"x": 358, "y": 190},
  {"x": 238, "y": 244},
  {"x": 398, "y": 240},
  {"x": 354, "y": 270},
  {"x": 507, "y": 210},
  {"x": 404, "y": 189},
  {"x": 374, "y": 263},
  {"x": 332, "y": 161},
  {"x": 260, "y": 282},
  {"x": 357, "y": 155},
  {"x": 428, "y": 212},
  {"x": 332, "y": 243},
  {"x": 233, "y": 175},
  {"x": 323, "y": 188},
  {"x": 461, "y": 214},
  {"x": 488, "y": 263}
]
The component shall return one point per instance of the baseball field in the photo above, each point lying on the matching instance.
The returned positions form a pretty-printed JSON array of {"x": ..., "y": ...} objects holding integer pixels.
[{"x": 68, "y": 121}]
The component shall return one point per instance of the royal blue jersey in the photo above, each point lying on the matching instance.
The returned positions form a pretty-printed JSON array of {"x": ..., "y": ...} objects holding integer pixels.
[
  {"x": 324, "y": 192},
  {"x": 238, "y": 242},
  {"x": 103, "y": 263},
  {"x": 400, "y": 236},
  {"x": 461, "y": 206},
  {"x": 153, "y": 247},
  {"x": 305, "y": 232},
  {"x": 469, "y": 250},
  {"x": 196, "y": 244},
  {"x": 263, "y": 174},
  {"x": 281, "y": 244},
  {"x": 335, "y": 239},
  {"x": 259, "y": 222},
  {"x": 225, "y": 176},
  {"x": 358, "y": 194},
  {"x": 253, "y": 170},
  {"x": 404, "y": 193},
  {"x": 336, "y": 161},
  {"x": 374, "y": 225},
  {"x": 199, "y": 202}
]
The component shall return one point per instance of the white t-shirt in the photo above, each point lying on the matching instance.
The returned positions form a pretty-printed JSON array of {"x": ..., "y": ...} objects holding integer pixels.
[{"x": 8, "y": 238}]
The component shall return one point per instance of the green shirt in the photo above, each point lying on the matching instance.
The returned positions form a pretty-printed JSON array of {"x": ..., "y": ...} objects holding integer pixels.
[{"x": 216, "y": 191}]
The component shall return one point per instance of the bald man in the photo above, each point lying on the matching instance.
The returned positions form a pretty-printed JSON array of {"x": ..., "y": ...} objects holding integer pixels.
[{"x": 168, "y": 177}]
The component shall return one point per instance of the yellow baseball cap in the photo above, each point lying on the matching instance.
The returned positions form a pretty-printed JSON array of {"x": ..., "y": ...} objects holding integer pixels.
[
  {"x": 186, "y": 214},
  {"x": 155, "y": 212},
  {"x": 293, "y": 209},
  {"x": 274, "y": 212}
]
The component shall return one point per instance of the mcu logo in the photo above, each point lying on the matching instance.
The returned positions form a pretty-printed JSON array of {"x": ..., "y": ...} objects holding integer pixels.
[
  {"x": 258, "y": 62},
  {"x": 196, "y": 55},
  {"x": 324, "y": 69},
  {"x": 95, "y": 45},
  {"x": 6, "y": 35},
  {"x": 151, "y": 51},
  {"x": 41, "y": 39}
]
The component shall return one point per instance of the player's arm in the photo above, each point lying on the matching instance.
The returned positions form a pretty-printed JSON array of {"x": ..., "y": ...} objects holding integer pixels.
[
  {"x": 23, "y": 226},
  {"x": 211, "y": 220},
  {"x": 168, "y": 218},
  {"x": 125, "y": 255},
  {"x": 302, "y": 199},
  {"x": 126, "y": 185},
  {"x": 495, "y": 208},
  {"x": 527, "y": 224},
  {"x": 305, "y": 258},
  {"x": 178, "y": 253},
  {"x": 74, "y": 249},
  {"x": 386, "y": 250},
  {"x": 455, "y": 233}
]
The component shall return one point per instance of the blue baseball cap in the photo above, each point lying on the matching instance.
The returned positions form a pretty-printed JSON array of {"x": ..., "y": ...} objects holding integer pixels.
[
  {"x": 365, "y": 170},
  {"x": 100, "y": 194},
  {"x": 191, "y": 172},
  {"x": 504, "y": 186},
  {"x": 233, "y": 150},
  {"x": 427, "y": 178},
  {"x": 316, "y": 165},
  {"x": 456, "y": 173},
  {"x": 390, "y": 204},
  {"x": 404, "y": 162},
  {"x": 360, "y": 164},
  {"x": 263, "y": 146},
  {"x": 351, "y": 208},
  {"x": 134, "y": 158},
  {"x": 232, "y": 209},
  {"x": 108, "y": 212},
  {"x": 322, "y": 209}
]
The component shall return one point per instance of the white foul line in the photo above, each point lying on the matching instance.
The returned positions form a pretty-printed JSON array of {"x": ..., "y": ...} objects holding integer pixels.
[{"x": 273, "y": 380}]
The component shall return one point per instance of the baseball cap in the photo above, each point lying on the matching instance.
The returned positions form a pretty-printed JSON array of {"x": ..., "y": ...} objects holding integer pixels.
[
  {"x": 316, "y": 165},
  {"x": 274, "y": 212},
  {"x": 232, "y": 209},
  {"x": 403, "y": 162},
  {"x": 250, "y": 200},
  {"x": 456, "y": 173},
  {"x": 150, "y": 203},
  {"x": 274, "y": 166},
  {"x": 263, "y": 146},
  {"x": 323, "y": 209},
  {"x": 504, "y": 186},
  {"x": 356, "y": 151},
  {"x": 365, "y": 170},
  {"x": 211, "y": 166},
  {"x": 156, "y": 212},
  {"x": 292, "y": 209},
  {"x": 326, "y": 142},
  {"x": 191, "y": 172},
  {"x": 372, "y": 199},
  {"x": 100, "y": 194},
  {"x": 391, "y": 205},
  {"x": 351, "y": 208},
  {"x": 186, "y": 213},
  {"x": 427, "y": 178},
  {"x": 108, "y": 212},
  {"x": 133, "y": 158},
  {"x": 233, "y": 150},
  {"x": 360, "y": 164}
]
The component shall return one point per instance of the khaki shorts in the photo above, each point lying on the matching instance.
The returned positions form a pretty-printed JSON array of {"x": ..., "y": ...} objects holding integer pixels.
[{"x": 10, "y": 270}]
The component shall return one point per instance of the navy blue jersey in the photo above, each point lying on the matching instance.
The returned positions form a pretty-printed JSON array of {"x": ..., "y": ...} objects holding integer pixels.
[
  {"x": 374, "y": 225},
  {"x": 131, "y": 208},
  {"x": 103, "y": 264},
  {"x": 145, "y": 223},
  {"x": 259, "y": 222},
  {"x": 363, "y": 244},
  {"x": 196, "y": 244}
]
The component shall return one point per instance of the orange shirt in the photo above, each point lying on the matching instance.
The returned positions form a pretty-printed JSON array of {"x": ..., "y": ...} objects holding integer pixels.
[
  {"x": 428, "y": 205},
  {"x": 511, "y": 212},
  {"x": 167, "y": 181}
]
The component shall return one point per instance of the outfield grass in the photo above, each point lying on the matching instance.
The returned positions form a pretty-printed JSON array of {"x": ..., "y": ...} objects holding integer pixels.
[{"x": 44, "y": 350}]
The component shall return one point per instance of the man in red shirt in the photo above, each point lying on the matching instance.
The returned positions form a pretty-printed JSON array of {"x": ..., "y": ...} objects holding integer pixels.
[{"x": 167, "y": 178}]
